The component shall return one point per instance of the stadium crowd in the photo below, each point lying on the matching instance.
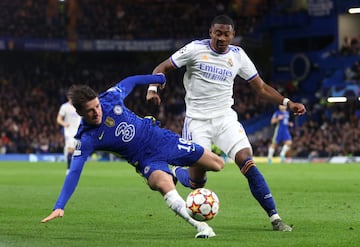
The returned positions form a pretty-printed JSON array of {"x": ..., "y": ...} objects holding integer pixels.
[
  {"x": 33, "y": 84},
  {"x": 109, "y": 19}
]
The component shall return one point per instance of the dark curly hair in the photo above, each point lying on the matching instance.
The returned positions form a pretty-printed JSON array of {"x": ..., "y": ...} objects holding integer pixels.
[
  {"x": 223, "y": 19},
  {"x": 80, "y": 95}
]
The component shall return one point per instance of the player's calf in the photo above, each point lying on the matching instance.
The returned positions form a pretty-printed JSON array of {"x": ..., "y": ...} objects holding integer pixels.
[{"x": 182, "y": 175}]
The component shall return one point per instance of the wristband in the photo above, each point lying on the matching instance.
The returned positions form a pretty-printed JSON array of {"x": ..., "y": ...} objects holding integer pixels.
[
  {"x": 152, "y": 88},
  {"x": 285, "y": 101}
]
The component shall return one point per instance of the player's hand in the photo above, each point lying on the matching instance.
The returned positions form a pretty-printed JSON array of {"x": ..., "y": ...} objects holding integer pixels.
[
  {"x": 153, "y": 97},
  {"x": 161, "y": 86},
  {"x": 55, "y": 214},
  {"x": 297, "y": 108}
]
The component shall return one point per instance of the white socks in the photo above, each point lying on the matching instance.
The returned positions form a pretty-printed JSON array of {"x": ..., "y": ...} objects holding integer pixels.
[
  {"x": 284, "y": 149},
  {"x": 177, "y": 204},
  {"x": 274, "y": 217},
  {"x": 271, "y": 152}
]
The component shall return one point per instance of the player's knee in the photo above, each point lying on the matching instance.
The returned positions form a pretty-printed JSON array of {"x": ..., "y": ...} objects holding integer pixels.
[
  {"x": 218, "y": 163},
  {"x": 218, "y": 167},
  {"x": 243, "y": 156},
  {"x": 161, "y": 181}
]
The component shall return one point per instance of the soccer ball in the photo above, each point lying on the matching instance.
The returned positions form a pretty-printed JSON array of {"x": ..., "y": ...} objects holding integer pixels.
[{"x": 202, "y": 204}]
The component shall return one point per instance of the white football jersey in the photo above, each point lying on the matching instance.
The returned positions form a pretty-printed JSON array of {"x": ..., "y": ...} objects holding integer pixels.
[
  {"x": 69, "y": 114},
  {"x": 209, "y": 77}
]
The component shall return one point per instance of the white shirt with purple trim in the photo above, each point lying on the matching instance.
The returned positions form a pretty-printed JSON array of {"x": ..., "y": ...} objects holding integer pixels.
[{"x": 209, "y": 77}]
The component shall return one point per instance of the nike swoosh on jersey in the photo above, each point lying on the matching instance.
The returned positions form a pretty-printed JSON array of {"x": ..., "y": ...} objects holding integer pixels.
[{"x": 101, "y": 136}]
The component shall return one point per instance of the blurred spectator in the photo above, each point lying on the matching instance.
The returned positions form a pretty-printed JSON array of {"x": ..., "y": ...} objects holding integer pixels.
[
  {"x": 136, "y": 19},
  {"x": 32, "y": 85}
]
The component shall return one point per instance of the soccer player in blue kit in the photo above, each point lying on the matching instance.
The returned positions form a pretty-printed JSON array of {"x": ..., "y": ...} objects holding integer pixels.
[
  {"x": 211, "y": 67},
  {"x": 281, "y": 134},
  {"x": 108, "y": 125}
]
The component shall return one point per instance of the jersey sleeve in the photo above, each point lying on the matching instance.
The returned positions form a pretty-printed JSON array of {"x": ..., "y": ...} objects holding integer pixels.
[
  {"x": 62, "y": 110},
  {"x": 127, "y": 85},
  {"x": 247, "y": 69},
  {"x": 72, "y": 179},
  {"x": 275, "y": 115},
  {"x": 181, "y": 57}
]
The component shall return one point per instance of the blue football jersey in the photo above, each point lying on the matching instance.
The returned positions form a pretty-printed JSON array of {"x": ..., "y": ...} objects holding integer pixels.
[
  {"x": 138, "y": 140},
  {"x": 281, "y": 132}
]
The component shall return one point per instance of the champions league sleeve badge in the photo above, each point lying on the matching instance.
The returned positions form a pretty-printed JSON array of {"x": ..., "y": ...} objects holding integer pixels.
[{"x": 118, "y": 110}]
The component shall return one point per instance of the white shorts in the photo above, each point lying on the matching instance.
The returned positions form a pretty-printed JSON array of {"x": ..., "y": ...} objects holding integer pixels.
[
  {"x": 226, "y": 132},
  {"x": 69, "y": 142}
]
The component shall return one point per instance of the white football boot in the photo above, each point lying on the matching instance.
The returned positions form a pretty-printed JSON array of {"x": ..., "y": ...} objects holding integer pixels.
[{"x": 204, "y": 231}]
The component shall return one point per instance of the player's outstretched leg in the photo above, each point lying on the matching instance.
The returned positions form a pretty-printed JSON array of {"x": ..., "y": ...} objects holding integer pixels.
[
  {"x": 262, "y": 194},
  {"x": 183, "y": 176},
  {"x": 177, "y": 204}
]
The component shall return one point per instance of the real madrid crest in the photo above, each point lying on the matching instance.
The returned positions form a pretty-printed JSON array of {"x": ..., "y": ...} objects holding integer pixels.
[{"x": 230, "y": 62}]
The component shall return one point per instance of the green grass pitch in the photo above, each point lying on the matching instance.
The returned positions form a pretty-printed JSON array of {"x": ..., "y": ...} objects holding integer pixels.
[{"x": 113, "y": 206}]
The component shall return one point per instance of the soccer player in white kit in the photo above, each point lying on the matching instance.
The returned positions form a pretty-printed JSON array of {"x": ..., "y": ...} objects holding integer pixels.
[
  {"x": 69, "y": 119},
  {"x": 211, "y": 66}
]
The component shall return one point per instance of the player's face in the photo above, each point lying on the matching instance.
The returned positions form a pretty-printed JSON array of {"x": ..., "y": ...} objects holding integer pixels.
[
  {"x": 92, "y": 112},
  {"x": 221, "y": 36}
]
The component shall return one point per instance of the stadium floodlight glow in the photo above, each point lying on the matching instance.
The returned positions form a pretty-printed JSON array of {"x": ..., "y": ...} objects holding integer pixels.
[
  {"x": 354, "y": 11},
  {"x": 336, "y": 99}
]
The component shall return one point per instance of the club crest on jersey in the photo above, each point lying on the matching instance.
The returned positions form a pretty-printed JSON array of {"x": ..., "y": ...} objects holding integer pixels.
[
  {"x": 118, "y": 110},
  {"x": 230, "y": 62},
  {"x": 110, "y": 122}
]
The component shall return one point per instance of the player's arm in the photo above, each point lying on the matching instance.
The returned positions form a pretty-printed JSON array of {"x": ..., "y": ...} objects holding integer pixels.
[
  {"x": 269, "y": 93},
  {"x": 275, "y": 118},
  {"x": 163, "y": 68},
  {"x": 60, "y": 121},
  {"x": 130, "y": 82},
  {"x": 70, "y": 184}
]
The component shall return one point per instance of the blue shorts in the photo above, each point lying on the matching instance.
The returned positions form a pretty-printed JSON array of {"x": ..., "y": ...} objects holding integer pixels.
[
  {"x": 172, "y": 150},
  {"x": 282, "y": 136}
]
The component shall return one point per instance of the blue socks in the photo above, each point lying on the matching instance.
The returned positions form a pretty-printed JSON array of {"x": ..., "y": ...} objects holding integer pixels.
[
  {"x": 258, "y": 186},
  {"x": 182, "y": 174}
]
